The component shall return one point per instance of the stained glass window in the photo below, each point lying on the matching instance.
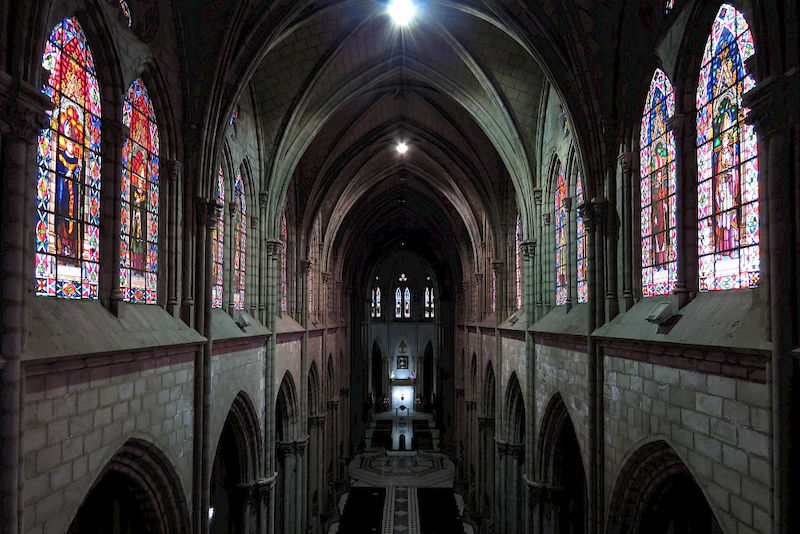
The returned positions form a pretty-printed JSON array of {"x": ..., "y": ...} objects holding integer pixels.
[
  {"x": 378, "y": 302},
  {"x": 123, "y": 5},
  {"x": 398, "y": 304},
  {"x": 583, "y": 286},
  {"x": 668, "y": 5},
  {"x": 428, "y": 302},
  {"x": 728, "y": 197},
  {"x": 239, "y": 242},
  {"x": 372, "y": 305},
  {"x": 407, "y": 303},
  {"x": 217, "y": 245},
  {"x": 562, "y": 287},
  {"x": 311, "y": 289},
  {"x": 658, "y": 185},
  {"x": 518, "y": 262},
  {"x": 284, "y": 263},
  {"x": 139, "y": 198},
  {"x": 68, "y": 181},
  {"x": 232, "y": 120}
]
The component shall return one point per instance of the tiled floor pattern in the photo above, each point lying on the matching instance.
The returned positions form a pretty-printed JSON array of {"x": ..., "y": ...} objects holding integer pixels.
[{"x": 401, "y": 511}]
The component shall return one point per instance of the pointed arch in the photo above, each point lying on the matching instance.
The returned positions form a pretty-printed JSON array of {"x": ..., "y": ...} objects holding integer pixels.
[
  {"x": 142, "y": 477},
  {"x": 218, "y": 245},
  {"x": 286, "y": 409},
  {"x": 67, "y": 261},
  {"x": 489, "y": 391},
  {"x": 658, "y": 189},
  {"x": 139, "y": 226},
  {"x": 655, "y": 477},
  {"x": 314, "y": 394},
  {"x": 518, "y": 262},
  {"x": 284, "y": 265},
  {"x": 580, "y": 244},
  {"x": 515, "y": 411},
  {"x": 727, "y": 160},
  {"x": 239, "y": 230},
  {"x": 560, "y": 211}
]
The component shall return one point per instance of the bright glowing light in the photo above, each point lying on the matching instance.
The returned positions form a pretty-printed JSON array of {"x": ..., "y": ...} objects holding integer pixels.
[
  {"x": 402, "y": 11},
  {"x": 402, "y": 148},
  {"x": 211, "y": 513}
]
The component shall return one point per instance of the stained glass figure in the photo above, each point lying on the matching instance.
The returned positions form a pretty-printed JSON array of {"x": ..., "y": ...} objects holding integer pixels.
[
  {"x": 311, "y": 289},
  {"x": 668, "y": 5},
  {"x": 398, "y": 304},
  {"x": 68, "y": 180},
  {"x": 518, "y": 262},
  {"x": 239, "y": 243},
  {"x": 372, "y": 305},
  {"x": 727, "y": 160},
  {"x": 427, "y": 303},
  {"x": 493, "y": 291},
  {"x": 123, "y": 5},
  {"x": 218, "y": 245},
  {"x": 583, "y": 285},
  {"x": 562, "y": 281},
  {"x": 407, "y": 303},
  {"x": 284, "y": 263},
  {"x": 658, "y": 186},
  {"x": 139, "y": 198},
  {"x": 378, "y": 303},
  {"x": 234, "y": 118}
]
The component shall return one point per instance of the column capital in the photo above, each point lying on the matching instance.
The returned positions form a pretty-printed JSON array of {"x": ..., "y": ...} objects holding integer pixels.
[
  {"x": 262, "y": 199},
  {"x": 497, "y": 266},
  {"x": 326, "y": 277},
  {"x": 207, "y": 212},
  {"x": 537, "y": 196},
  {"x": 23, "y": 109},
  {"x": 626, "y": 160},
  {"x": 772, "y": 103},
  {"x": 528, "y": 248},
  {"x": 478, "y": 279},
  {"x": 566, "y": 202},
  {"x": 274, "y": 247},
  {"x": 174, "y": 169},
  {"x": 305, "y": 265}
]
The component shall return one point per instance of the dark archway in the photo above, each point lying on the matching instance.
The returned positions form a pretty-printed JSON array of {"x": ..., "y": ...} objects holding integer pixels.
[
  {"x": 377, "y": 373},
  {"x": 512, "y": 458},
  {"x": 563, "y": 511},
  {"x": 315, "y": 443},
  {"x": 427, "y": 373},
  {"x": 137, "y": 491},
  {"x": 235, "y": 466},
  {"x": 657, "y": 494},
  {"x": 487, "y": 446},
  {"x": 286, "y": 420}
]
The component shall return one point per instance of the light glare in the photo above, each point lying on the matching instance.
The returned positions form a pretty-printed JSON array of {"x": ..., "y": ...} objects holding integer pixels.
[
  {"x": 402, "y": 148},
  {"x": 402, "y": 11}
]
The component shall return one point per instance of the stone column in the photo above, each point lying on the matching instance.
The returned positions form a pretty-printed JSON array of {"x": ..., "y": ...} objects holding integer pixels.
[
  {"x": 567, "y": 207},
  {"x": 272, "y": 273},
  {"x": 683, "y": 127},
  {"x": 775, "y": 114},
  {"x": 22, "y": 116},
  {"x": 174, "y": 170},
  {"x": 628, "y": 220},
  {"x": 113, "y": 135}
]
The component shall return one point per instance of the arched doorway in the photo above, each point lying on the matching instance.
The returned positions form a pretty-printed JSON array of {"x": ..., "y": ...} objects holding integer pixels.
[
  {"x": 315, "y": 442},
  {"x": 287, "y": 492},
  {"x": 562, "y": 467},
  {"x": 137, "y": 491},
  {"x": 656, "y": 493},
  {"x": 235, "y": 467}
]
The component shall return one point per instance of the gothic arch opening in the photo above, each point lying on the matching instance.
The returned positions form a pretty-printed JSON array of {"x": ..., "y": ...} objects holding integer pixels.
[
  {"x": 287, "y": 455},
  {"x": 487, "y": 446},
  {"x": 137, "y": 491},
  {"x": 562, "y": 508},
  {"x": 656, "y": 493},
  {"x": 512, "y": 458}
]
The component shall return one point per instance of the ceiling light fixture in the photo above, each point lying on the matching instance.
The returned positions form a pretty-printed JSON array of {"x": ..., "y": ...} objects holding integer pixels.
[
  {"x": 401, "y": 148},
  {"x": 402, "y": 11}
]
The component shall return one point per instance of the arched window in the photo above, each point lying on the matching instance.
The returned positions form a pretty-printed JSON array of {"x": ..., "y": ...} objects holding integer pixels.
[
  {"x": 218, "y": 244},
  {"x": 139, "y": 198},
  {"x": 562, "y": 281},
  {"x": 657, "y": 145},
  {"x": 68, "y": 181},
  {"x": 407, "y": 303},
  {"x": 428, "y": 306},
  {"x": 284, "y": 263},
  {"x": 727, "y": 163},
  {"x": 372, "y": 305},
  {"x": 518, "y": 262},
  {"x": 123, "y": 5},
  {"x": 239, "y": 242},
  {"x": 378, "y": 303},
  {"x": 668, "y": 5},
  {"x": 398, "y": 304},
  {"x": 583, "y": 286}
]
